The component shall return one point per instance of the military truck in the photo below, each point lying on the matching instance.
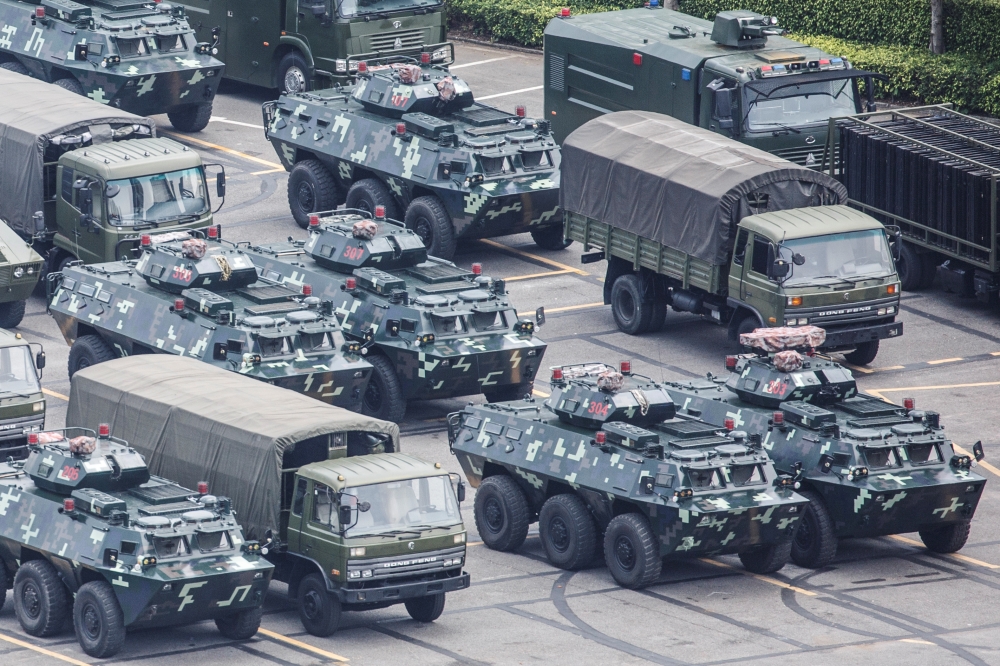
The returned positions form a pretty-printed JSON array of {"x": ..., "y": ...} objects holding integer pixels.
[
  {"x": 411, "y": 138},
  {"x": 349, "y": 522},
  {"x": 20, "y": 268},
  {"x": 868, "y": 467},
  {"x": 90, "y": 537},
  {"x": 300, "y": 45},
  {"x": 436, "y": 330},
  {"x": 709, "y": 226},
  {"x": 189, "y": 298},
  {"x": 141, "y": 57},
  {"x": 22, "y": 405},
  {"x": 83, "y": 180},
  {"x": 610, "y": 453},
  {"x": 735, "y": 76}
]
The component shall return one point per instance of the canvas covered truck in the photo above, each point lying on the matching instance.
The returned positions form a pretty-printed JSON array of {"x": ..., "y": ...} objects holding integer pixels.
[
  {"x": 703, "y": 224},
  {"x": 349, "y": 522}
]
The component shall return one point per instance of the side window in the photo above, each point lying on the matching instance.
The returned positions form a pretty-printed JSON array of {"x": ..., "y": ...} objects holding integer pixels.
[
  {"x": 299, "y": 498},
  {"x": 761, "y": 251},
  {"x": 323, "y": 505},
  {"x": 740, "y": 251},
  {"x": 67, "y": 185}
]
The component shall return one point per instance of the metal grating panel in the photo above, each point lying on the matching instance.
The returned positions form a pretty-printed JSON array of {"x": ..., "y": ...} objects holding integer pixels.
[
  {"x": 274, "y": 294},
  {"x": 480, "y": 115},
  {"x": 437, "y": 273},
  {"x": 156, "y": 492},
  {"x": 557, "y": 72},
  {"x": 687, "y": 429},
  {"x": 867, "y": 407},
  {"x": 273, "y": 308},
  {"x": 386, "y": 41},
  {"x": 877, "y": 421},
  {"x": 164, "y": 509}
]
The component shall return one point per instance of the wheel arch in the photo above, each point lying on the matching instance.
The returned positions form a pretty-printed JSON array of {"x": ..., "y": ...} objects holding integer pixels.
[{"x": 300, "y": 567}]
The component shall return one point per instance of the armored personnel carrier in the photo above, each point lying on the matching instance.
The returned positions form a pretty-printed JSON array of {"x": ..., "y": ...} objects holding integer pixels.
[
  {"x": 135, "y": 55},
  {"x": 89, "y": 535},
  {"x": 191, "y": 297},
  {"x": 412, "y": 138},
  {"x": 868, "y": 467},
  {"x": 609, "y": 453},
  {"x": 438, "y": 330}
]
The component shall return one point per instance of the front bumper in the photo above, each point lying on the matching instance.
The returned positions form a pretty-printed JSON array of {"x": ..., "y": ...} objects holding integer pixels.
[
  {"x": 510, "y": 213},
  {"x": 846, "y": 338},
  {"x": 466, "y": 367},
  {"x": 402, "y": 592},
  {"x": 17, "y": 429}
]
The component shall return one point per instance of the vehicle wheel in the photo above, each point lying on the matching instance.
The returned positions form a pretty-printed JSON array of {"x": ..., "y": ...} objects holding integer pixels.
[
  {"x": 241, "y": 626},
  {"x": 192, "y": 118},
  {"x": 567, "y": 531},
  {"x": 383, "y": 398},
  {"x": 632, "y": 314},
  {"x": 88, "y": 350},
  {"x": 41, "y": 601},
  {"x": 293, "y": 74},
  {"x": 659, "y": 316},
  {"x": 429, "y": 219},
  {"x": 4, "y": 579},
  {"x": 15, "y": 66},
  {"x": 367, "y": 193},
  {"x": 69, "y": 84},
  {"x": 766, "y": 559},
  {"x": 910, "y": 268},
  {"x": 11, "y": 314},
  {"x": 98, "y": 620},
  {"x": 863, "y": 354},
  {"x": 509, "y": 393},
  {"x": 814, "y": 544},
  {"x": 748, "y": 324},
  {"x": 311, "y": 189},
  {"x": 425, "y": 609},
  {"x": 928, "y": 266},
  {"x": 65, "y": 261},
  {"x": 318, "y": 609},
  {"x": 502, "y": 513},
  {"x": 550, "y": 238},
  {"x": 948, "y": 539},
  {"x": 631, "y": 551}
]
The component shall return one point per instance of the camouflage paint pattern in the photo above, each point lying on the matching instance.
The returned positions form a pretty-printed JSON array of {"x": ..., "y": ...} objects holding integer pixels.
[
  {"x": 466, "y": 362},
  {"x": 227, "y": 326},
  {"x": 536, "y": 445},
  {"x": 825, "y": 415},
  {"x": 353, "y": 132},
  {"x": 150, "y": 82},
  {"x": 14, "y": 254}
]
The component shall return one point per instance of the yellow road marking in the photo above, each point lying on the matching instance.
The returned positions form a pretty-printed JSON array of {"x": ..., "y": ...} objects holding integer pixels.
[
  {"x": 982, "y": 463},
  {"x": 994, "y": 353},
  {"x": 55, "y": 395},
  {"x": 932, "y": 388},
  {"x": 540, "y": 394},
  {"x": 300, "y": 644},
  {"x": 184, "y": 137},
  {"x": 41, "y": 650},
  {"x": 918, "y": 641},
  {"x": 944, "y": 360},
  {"x": 544, "y": 260},
  {"x": 474, "y": 543},
  {"x": 891, "y": 367},
  {"x": 766, "y": 579},
  {"x": 575, "y": 307},
  {"x": 538, "y": 275},
  {"x": 957, "y": 556},
  {"x": 858, "y": 368},
  {"x": 266, "y": 171}
]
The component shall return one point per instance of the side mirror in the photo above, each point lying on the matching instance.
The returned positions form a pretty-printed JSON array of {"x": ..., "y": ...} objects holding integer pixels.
[
  {"x": 540, "y": 316},
  {"x": 461, "y": 491},
  {"x": 779, "y": 269},
  {"x": 392, "y": 328},
  {"x": 798, "y": 259},
  {"x": 86, "y": 202},
  {"x": 348, "y": 513},
  {"x": 112, "y": 190},
  {"x": 39, "y": 219},
  {"x": 722, "y": 107},
  {"x": 977, "y": 451},
  {"x": 220, "y": 184},
  {"x": 40, "y": 364}
]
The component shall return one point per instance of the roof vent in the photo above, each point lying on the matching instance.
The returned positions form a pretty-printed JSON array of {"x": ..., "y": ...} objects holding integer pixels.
[{"x": 743, "y": 29}]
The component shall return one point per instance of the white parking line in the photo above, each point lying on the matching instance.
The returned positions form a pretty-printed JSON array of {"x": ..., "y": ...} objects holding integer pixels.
[
  {"x": 220, "y": 119},
  {"x": 512, "y": 92},
  {"x": 480, "y": 62}
]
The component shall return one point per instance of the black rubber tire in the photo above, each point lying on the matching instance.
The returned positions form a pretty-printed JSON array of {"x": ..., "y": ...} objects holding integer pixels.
[
  {"x": 4, "y": 584},
  {"x": 910, "y": 268},
  {"x": 632, "y": 314},
  {"x": 192, "y": 118},
  {"x": 748, "y": 324},
  {"x": 311, "y": 189},
  {"x": 425, "y": 609},
  {"x": 947, "y": 539},
  {"x": 89, "y": 350},
  {"x": 69, "y": 84},
  {"x": 15, "y": 66},
  {"x": 11, "y": 314},
  {"x": 427, "y": 216},
  {"x": 241, "y": 626},
  {"x": 766, "y": 559},
  {"x": 502, "y": 513},
  {"x": 814, "y": 544},
  {"x": 98, "y": 620},
  {"x": 367, "y": 193},
  {"x": 41, "y": 601},
  {"x": 863, "y": 354},
  {"x": 631, "y": 551},
  {"x": 568, "y": 532},
  {"x": 383, "y": 397},
  {"x": 293, "y": 61},
  {"x": 318, "y": 609},
  {"x": 509, "y": 393},
  {"x": 659, "y": 316},
  {"x": 65, "y": 260},
  {"x": 928, "y": 263},
  {"x": 550, "y": 238}
]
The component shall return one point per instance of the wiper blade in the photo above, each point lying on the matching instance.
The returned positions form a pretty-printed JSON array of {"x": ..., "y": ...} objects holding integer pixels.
[
  {"x": 782, "y": 125},
  {"x": 15, "y": 393}
]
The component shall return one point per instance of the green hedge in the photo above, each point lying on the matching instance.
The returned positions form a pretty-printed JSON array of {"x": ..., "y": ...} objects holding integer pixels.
[{"x": 520, "y": 21}]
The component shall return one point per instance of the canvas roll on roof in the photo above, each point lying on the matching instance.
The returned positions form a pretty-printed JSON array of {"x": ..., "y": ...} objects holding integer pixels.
[
  {"x": 32, "y": 112},
  {"x": 195, "y": 422},
  {"x": 678, "y": 184}
]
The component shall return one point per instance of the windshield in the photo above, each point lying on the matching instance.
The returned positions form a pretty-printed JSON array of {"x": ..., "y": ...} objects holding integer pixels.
[
  {"x": 160, "y": 198},
  {"x": 851, "y": 256},
  {"x": 350, "y": 8},
  {"x": 17, "y": 371},
  {"x": 798, "y": 105},
  {"x": 405, "y": 505}
]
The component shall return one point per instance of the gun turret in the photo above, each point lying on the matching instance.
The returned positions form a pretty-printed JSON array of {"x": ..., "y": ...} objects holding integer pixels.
[
  {"x": 73, "y": 459},
  {"x": 590, "y": 395},
  {"x": 744, "y": 29},
  {"x": 179, "y": 261},
  {"x": 351, "y": 239},
  {"x": 406, "y": 88}
]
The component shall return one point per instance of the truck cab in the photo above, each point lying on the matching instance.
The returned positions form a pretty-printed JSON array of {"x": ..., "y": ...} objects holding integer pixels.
[{"x": 22, "y": 405}]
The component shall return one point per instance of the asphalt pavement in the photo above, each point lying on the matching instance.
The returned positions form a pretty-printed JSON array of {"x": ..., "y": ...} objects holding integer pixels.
[{"x": 882, "y": 601}]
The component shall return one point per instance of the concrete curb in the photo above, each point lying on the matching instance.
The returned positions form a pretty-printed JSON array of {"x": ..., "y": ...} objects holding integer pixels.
[{"x": 495, "y": 45}]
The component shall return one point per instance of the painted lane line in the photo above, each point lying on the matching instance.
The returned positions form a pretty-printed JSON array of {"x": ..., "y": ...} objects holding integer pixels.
[
  {"x": 265, "y": 171},
  {"x": 303, "y": 646},
  {"x": 766, "y": 579},
  {"x": 540, "y": 394},
  {"x": 479, "y": 62},
  {"x": 932, "y": 388},
  {"x": 220, "y": 119},
  {"x": 214, "y": 146},
  {"x": 55, "y": 395},
  {"x": 544, "y": 260},
  {"x": 981, "y": 463},
  {"x": 994, "y": 353},
  {"x": 957, "y": 556},
  {"x": 569, "y": 308},
  {"x": 512, "y": 92},
  {"x": 534, "y": 276},
  {"x": 41, "y": 650},
  {"x": 944, "y": 360}
]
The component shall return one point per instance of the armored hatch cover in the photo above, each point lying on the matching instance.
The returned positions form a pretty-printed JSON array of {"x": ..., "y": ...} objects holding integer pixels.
[
  {"x": 66, "y": 461},
  {"x": 589, "y": 395},
  {"x": 352, "y": 239},
  {"x": 179, "y": 261}
]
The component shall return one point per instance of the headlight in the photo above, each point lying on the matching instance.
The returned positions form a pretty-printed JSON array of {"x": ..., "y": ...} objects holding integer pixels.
[
  {"x": 460, "y": 538},
  {"x": 38, "y": 407},
  {"x": 367, "y": 573},
  {"x": 341, "y": 65},
  {"x": 790, "y": 322},
  {"x": 882, "y": 311},
  {"x": 439, "y": 54},
  {"x": 891, "y": 309},
  {"x": 794, "y": 301},
  {"x": 19, "y": 272},
  {"x": 354, "y": 574},
  {"x": 353, "y": 66},
  {"x": 31, "y": 270},
  {"x": 358, "y": 552},
  {"x": 803, "y": 321}
]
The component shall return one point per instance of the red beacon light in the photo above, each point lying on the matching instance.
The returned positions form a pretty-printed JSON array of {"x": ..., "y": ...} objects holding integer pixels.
[
  {"x": 104, "y": 431},
  {"x": 314, "y": 220},
  {"x": 600, "y": 437},
  {"x": 425, "y": 58},
  {"x": 477, "y": 269},
  {"x": 625, "y": 367},
  {"x": 362, "y": 67},
  {"x": 731, "y": 362},
  {"x": 564, "y": 12},
  {"x": 557, "y": 374},
  {"x": 379, "y": 212},
  {"x": 352, "y": 284},
  {"x": 307, "y": 290},
  {"x": 178, "y": 305},
  {"x": 909, "y": 403},
  {"x": 778, "y": 418},
  {"x": 32, "y": 439},
  {"x": 213, "y": 232},
  {"x": 145, "y": 240},
  {"x": 202, "y": 487},
  {"x": 400, "y": 129},
  {"x": 520, "y": 111},
  {"x": 39, "y": 12},
  {"x": 729, "y": 424},
  {"x": 69, "y": 505}
]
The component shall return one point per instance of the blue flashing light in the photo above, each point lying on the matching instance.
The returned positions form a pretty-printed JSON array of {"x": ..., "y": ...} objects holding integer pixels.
[{"x": 686, "y": 74}]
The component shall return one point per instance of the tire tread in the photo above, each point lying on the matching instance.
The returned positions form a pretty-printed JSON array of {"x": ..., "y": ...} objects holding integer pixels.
[{"x": 517, "y": 512}]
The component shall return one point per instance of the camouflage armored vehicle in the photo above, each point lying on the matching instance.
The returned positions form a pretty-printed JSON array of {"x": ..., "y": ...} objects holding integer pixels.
[
  {"x": 20, "y": 268},
  {"x": 411, "y": 138},
  {"x": 22, "y": 404},
  {"x": 610, "y": 453},
  {"x": 90, "y": 536},
  {"x": 187, "y": 297},
  {"x": 868, "y": 467},
  {"x": 438, "y": 330},
  {"x": 133, "y": 55}
]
